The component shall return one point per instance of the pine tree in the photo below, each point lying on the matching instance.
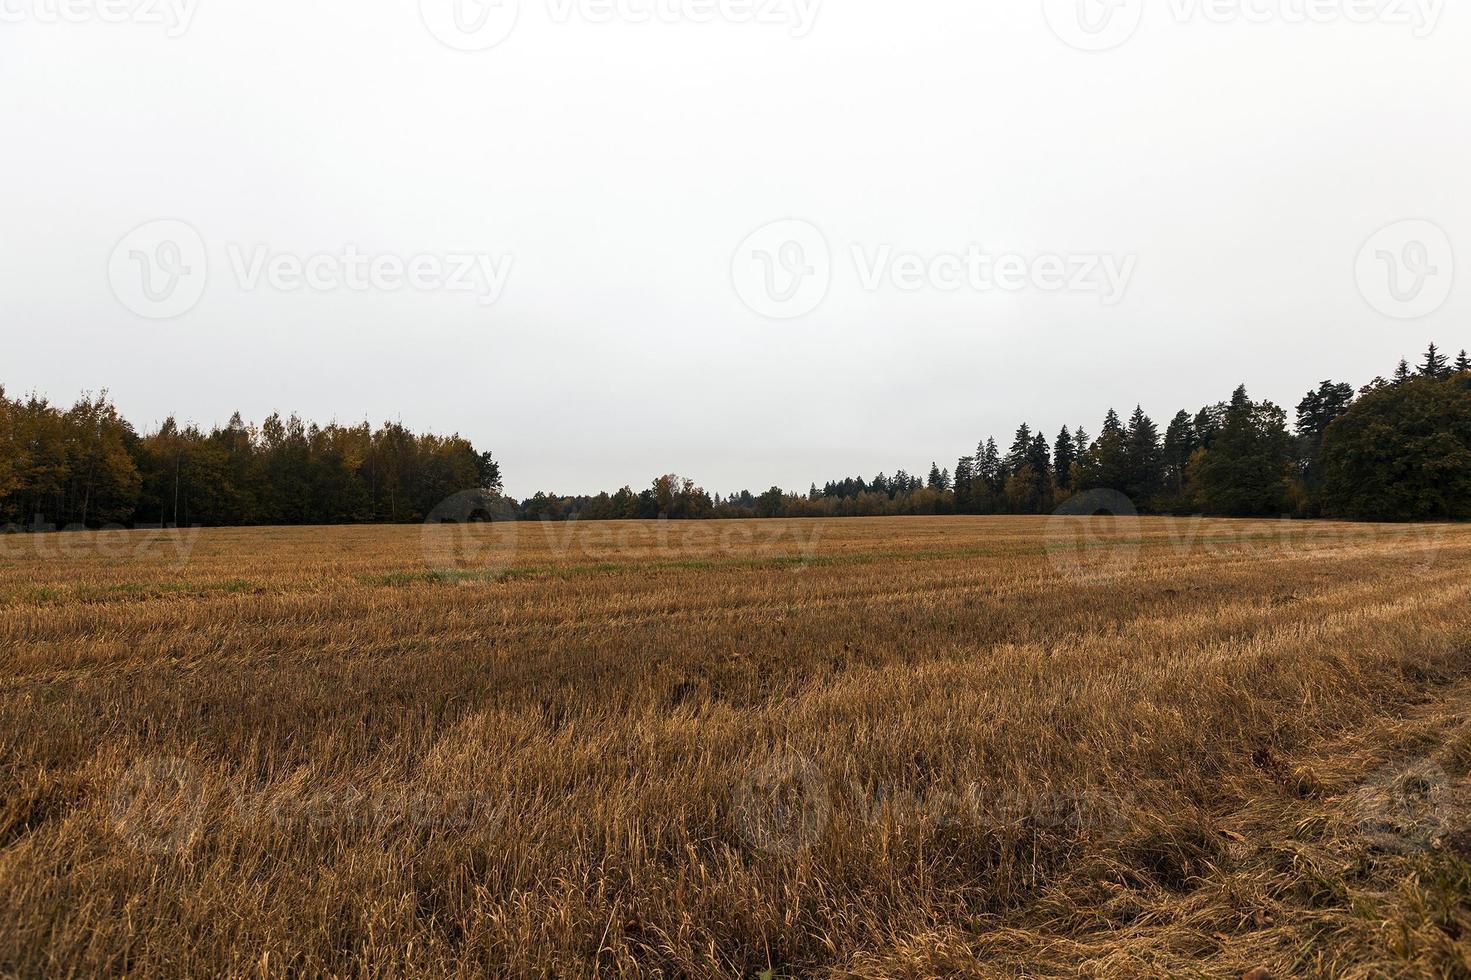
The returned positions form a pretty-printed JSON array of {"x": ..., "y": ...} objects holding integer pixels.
[
  {"x": 1021, "y": 445},
  {"x": 1463, "y": 363},
  {"x": 1039, "y": 456},
  {"x": 1180, "y": 442},
  {"x": 1063, "y": 455},
  {"x": 1402, "y": 372},
  {"x": 1243, "y": 473},
  {"x": 989, "y": 467},
  {"x": 964, "y": 484},
  {"x": 1318, "y": 410},
  {"x": 935, "y": 481},
  {"x": 1145, "y": 461},
  {"x": 1106, "y": 464},
  {"x": 1435, "y": 366}
]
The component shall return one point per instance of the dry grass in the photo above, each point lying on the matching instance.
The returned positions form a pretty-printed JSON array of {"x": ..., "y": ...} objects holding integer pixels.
[{"x": 890, "y": 748}]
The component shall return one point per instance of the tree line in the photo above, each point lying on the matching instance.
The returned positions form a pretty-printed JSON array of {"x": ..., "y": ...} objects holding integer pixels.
[
  {"x": 1396, "y": 449},
  {"x": 87, "y": 466}
]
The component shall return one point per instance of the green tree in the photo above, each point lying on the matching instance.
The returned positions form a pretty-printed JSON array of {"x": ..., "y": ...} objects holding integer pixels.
[
  {"x": 1106, "y": 464},
  {"x": 1145, "y": 459},
  {"x": 1244, "y": 472},
  {"x": 1180, "y": 443},
  {"x": 1402, "y": 453},
  {"x": 1318, "y": 410},
  {"x": 1435, "y": 365},
  {"x": 1064, "y": 454}
]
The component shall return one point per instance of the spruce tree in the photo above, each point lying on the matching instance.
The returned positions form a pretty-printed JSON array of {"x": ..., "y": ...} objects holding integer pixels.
[
  {"x": 1435, "y": 366},
  {"x": 1021, "y": 445},
  {"x": 1402, "y": 372},
  {"x": 1243, "y": 473},
  {"x": 1145, "y": 460},
  {"x": 990, "y": 466},
  {"x": 964, "y": 484},
  {"x": 1180, "y": 442},
  {"x": 1463, "y": 363},
  {"x": 1318, "y": 410},
  {"x": 1109, "y": 457},
  {"x": 1063, "y": 455}
]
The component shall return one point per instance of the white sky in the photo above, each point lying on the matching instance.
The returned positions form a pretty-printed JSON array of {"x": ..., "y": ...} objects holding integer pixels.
[{"x": 1242, "y": 165}]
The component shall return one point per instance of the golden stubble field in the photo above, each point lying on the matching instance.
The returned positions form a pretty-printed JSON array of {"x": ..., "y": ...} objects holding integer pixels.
[{"x": 880, "y": 748}]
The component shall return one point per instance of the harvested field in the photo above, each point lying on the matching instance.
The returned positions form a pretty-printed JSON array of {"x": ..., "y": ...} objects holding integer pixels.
[{"x": 879, "y": 748}]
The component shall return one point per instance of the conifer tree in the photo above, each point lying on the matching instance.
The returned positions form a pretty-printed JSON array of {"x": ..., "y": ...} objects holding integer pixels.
[
  {"x": 1180, "y": 443},
  {"x": 1435, "y": 365},
  {"x": 1021, "y": 445},
  {"x": 1145, "y": 460},
  {"x": 1063, "y": 455}
]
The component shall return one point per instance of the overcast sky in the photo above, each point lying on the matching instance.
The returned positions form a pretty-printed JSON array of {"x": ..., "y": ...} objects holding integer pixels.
[{"x": 560, "y": 243}]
